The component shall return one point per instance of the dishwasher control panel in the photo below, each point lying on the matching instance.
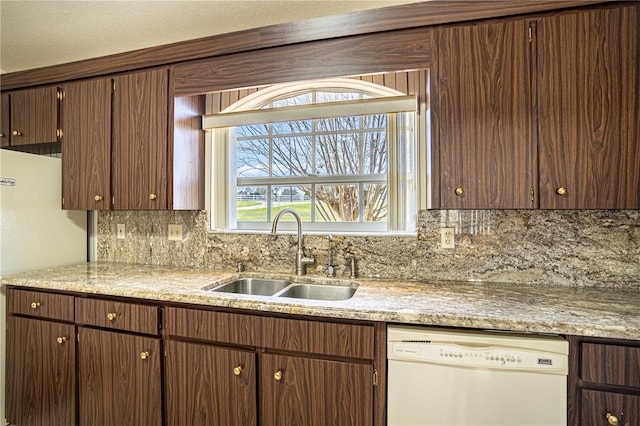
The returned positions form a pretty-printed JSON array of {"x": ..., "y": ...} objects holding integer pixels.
[{"x": 540, "y": 354}]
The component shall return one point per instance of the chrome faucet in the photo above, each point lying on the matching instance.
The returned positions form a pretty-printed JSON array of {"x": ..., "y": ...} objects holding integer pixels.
[{"x": 301, "y": 260}]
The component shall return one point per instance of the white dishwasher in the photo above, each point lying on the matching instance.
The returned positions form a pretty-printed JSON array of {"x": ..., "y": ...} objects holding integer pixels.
[{"x": 454, "y": 377}]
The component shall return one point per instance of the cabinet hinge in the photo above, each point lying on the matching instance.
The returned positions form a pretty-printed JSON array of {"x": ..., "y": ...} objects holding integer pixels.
[
  {"x": 532, "y": 192},
  {"x": 59, "y": 133},
  {"x": 375, "y": 377},
  {"x": 530, "y": 34}
]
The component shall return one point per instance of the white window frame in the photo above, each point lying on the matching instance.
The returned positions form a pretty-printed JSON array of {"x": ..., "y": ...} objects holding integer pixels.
[{"x": 222, "y": 160}]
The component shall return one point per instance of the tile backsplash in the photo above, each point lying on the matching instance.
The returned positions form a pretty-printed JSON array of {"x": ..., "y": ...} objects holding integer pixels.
[{"x": 573, "y": 248}]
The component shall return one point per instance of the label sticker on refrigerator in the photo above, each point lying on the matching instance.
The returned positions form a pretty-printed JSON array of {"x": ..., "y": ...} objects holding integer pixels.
[{"x": 5, "y": 181}]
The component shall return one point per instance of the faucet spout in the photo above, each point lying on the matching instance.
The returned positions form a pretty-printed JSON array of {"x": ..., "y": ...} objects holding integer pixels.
[{"x": 301, "y": 260}]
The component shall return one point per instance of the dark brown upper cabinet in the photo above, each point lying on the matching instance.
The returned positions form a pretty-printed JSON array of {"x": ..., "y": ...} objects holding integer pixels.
[
  {"x": 483, "y": 116},
  {"x": 140, "y": 135},
  {"x": 5, "y": 121},
  {"x": 86, "y": 145},
  {"x": 539, "y": 113},
  {"x": 115, "y": 150},
  {"x": 34, "y": 116},
  {"x": 589, "y": 114}
]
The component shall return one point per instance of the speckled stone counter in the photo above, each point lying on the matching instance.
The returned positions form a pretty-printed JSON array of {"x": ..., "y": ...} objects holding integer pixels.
[{"x": 598, "y": 312}]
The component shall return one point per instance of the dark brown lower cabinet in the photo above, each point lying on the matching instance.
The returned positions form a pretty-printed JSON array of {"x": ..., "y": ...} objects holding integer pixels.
[
  {"x": 610, "y": 408},
  {"x": 314, "y": 392},
  {"x": 119, "y": 378},
  {"x": 209, "y": 385},
  {"x": 604, "y": 381},
  {"x": 40, "y": 380}
]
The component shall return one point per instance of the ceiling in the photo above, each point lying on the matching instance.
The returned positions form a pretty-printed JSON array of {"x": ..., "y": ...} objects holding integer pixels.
[{"x": 36, "y": 34}]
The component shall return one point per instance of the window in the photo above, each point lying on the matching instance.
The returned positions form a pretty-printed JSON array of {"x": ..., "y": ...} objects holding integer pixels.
[{"x": 340, "y": 152}]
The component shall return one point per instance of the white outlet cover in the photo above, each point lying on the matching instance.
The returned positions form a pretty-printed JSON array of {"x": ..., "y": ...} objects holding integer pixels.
[
  {"x": 175, "y": 232},
  {"x": 447, "y": 238}
]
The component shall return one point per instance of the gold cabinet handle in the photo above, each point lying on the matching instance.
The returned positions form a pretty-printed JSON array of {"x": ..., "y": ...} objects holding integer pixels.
[
  {"x": 144, "y": 355},
  {"x": 111, "y": 316},
  {"x": 35, "y": 305},
  {"x": 1, "y": 135},
  {"x": 61, "y": 340},
  {"x": 16, "y": 133},
  {"x": 152, "y": 196},
  {"x": 278, "y": 375},
  {"x": 237, "y": 370},
  {"x": 98, "y": 198},
  {"x": 459, "y": 191},
  {"x": 561, "y": 191},
  {"x": 613, "y": 420}
]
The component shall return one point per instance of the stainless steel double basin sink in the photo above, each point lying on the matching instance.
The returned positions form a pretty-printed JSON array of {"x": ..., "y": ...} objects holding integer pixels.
[{"x": 286, "y": 288}]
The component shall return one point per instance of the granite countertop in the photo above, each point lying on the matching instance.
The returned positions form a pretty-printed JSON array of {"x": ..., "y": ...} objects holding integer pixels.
[{"x": 601, "y": 312}]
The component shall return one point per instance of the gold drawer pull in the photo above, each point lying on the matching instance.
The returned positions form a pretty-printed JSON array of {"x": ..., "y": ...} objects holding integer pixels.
[
  {"x": 459, "y": 191},
  {"x": 98, "y": 198},
  {"x": 237, "y": 370},
  {"x": 144, "y": 355},
  {"x": 613, "y": 420},
  {"x": 561, "y": 191},
  {"x": 16, "y": 133},
  {"x": 111, "y": 316},
  {"x": 35, "y": 305},
  {"x": 278, "y": 375},
  {"x": 152, "y": 196},
  {"x": 61, "y": 340}
]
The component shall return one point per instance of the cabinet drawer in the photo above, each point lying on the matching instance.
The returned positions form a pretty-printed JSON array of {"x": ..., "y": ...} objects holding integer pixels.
[
  {"x": 327, "y": 338},
  {"x": 117, "y": 315},
  {"x": 611, "y": 364},
  {"x": 39, "y": 304},
  {"x": 597, "y": 405},
  {"x": 213, "y": 326}
]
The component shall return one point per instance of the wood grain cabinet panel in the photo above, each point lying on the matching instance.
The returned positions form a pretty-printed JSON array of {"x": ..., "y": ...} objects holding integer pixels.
[
  {"x": 86, "y": 145},
  {"x": 140, "y": 135},
  {"x": 34, "y": 116},
  {"x": 40, "y": 380},
  {"x": 589, "y": 114},
  {"x": 483, "y": 115},
  {"x": 611, "y": 364},
  {"x": 326, "y": 338},
  {"x": 212, "y": 326},
  {"x": 5, "y": 121},
  {"x": 119, "y": 378},
  {"x": 209, "y": 385},
  {"x": 604, "y": 379},
  {"x": 307, "y": 391},
  {"x": 39, "y": 304},
  {"x": 599, "y": 407},
  {"x": 117, "y": 315}
]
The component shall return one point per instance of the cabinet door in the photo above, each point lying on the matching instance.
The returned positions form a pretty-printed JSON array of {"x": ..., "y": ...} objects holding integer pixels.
[
  {"x": 208, "y": 385},
  {"x": 86, "y": 145},
  {"x": 140, "y": 111},
  {"x": 40, "y": 381},
  {"x": 315, "y": 392},
  {"x": 34, "y": 116},
  {"x": 482, "y": 115},
  {"x": 5, "y": 122},
  {"x": 589, "y": 115},
  {"x": 598, "y": 407},
  {"x": 119, "y": 379}
]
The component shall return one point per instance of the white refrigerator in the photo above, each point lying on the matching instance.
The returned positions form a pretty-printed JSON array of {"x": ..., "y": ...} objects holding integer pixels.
[{"x": 35, "y": 232}]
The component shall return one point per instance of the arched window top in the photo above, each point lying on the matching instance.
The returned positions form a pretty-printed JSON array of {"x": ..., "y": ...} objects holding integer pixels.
[{"x": 278, "y": 92}]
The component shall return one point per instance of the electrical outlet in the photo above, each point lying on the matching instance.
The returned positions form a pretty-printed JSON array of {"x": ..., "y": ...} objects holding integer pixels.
[
  {"x": 447, "y": 238},
  {"x": 175, "y": 232},
  {"x": 120, "y": 232}
]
